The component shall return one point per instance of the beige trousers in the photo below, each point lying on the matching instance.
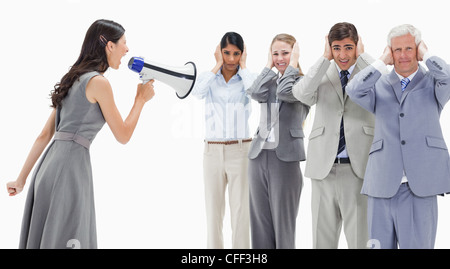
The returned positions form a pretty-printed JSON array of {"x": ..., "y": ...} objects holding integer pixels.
[
  {"x": 337, "y": 200},
  {"x": 226, "y": 165}
]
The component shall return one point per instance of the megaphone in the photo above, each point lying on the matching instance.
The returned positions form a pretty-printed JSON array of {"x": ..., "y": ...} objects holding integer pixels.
[{"x": 182, "y": 79}]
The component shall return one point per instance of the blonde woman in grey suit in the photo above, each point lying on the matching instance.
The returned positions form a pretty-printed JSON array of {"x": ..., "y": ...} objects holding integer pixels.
[{"x": 275, "y": 178}]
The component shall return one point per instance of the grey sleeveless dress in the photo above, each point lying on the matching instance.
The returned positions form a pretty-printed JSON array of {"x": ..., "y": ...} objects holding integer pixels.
[{"x": 59, "y": 209}]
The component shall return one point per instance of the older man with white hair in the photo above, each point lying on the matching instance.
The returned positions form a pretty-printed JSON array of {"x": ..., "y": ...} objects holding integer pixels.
[{"x": 409, "y": 163}]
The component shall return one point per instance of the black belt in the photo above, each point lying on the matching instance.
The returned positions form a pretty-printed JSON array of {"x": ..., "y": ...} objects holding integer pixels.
[{"x": 342, "y": 160}]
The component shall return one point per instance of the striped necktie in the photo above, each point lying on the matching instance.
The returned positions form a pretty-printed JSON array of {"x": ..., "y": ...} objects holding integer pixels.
[
  {"x": 344, "y": 80},
  {"x": 405, "y": 82}
]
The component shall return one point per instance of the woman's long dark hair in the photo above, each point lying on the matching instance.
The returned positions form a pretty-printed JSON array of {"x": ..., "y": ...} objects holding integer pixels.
[
  {"x": 232, "y": 38},
  {"x": 92, "y": 56}
]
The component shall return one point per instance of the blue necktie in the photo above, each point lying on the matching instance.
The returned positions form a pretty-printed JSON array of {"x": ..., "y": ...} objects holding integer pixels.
[
  {"x": 405, "y": 82},
  {"x": 344, "y": 80}
]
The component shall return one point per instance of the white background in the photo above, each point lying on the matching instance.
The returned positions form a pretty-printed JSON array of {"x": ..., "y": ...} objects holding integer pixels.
[{"x": 149, "y": 193}]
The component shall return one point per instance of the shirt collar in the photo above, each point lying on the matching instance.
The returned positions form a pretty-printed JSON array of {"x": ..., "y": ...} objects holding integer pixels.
[
  {"x": 237, "y": 73},
  {"x": 350, "y": 70},
  {"x": 410, "y": 77}
]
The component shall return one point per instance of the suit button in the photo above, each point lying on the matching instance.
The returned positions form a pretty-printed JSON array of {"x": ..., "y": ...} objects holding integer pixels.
[
  {"x": 402, "y": 115},
  {"x": 403, "y": 142}
]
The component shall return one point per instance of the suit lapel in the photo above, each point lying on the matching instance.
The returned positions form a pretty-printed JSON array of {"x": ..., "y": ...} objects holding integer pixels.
[
  {"x": 333, "y": 76},
  {"x": 354, "y": 72},
  {"x": 396, "y": 85},
  {"x": 416, "y": 79}
]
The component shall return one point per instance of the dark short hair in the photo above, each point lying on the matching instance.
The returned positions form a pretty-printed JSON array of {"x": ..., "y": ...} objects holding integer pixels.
[
  {"x": 343, "y": 30},
  {"x": 233, "y": 39}
]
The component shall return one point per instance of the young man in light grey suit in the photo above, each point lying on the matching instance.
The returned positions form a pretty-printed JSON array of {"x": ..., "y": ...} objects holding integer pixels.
[
  {"x": 409, "y": 162},
  {"x": 337, "y": 169}
]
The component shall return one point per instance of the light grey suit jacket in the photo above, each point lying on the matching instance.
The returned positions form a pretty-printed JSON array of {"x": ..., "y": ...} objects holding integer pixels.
[
  {"x": 285, "y": 116},
  {"x": 322, "y": 87},
  {"x": 408, "y": 135}
]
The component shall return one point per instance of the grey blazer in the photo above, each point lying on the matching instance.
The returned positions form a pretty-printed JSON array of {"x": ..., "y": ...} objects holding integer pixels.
[
  {"x": 322, "y": 87},
  {"x": 408, "y": 135},
  {"x": 280, "y": 112}
]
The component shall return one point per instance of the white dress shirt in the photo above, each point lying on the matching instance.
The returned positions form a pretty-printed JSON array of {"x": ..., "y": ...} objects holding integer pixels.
[{"x": 227, "y": 106}]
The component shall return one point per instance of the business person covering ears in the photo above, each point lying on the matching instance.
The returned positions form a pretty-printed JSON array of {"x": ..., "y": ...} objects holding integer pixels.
[
  {"x": 227, "y": 140},
  {"x": 409, "y": 162},
  {"x": 339, "y": 142},
  {"x": 275, "y": 178}
]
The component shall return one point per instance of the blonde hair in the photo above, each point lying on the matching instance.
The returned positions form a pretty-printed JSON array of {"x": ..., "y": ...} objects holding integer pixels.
[{"x": 289, "y": 39}]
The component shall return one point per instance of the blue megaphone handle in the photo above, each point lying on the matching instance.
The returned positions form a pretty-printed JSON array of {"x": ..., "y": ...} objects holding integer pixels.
[{"x": 136, "y": 64}]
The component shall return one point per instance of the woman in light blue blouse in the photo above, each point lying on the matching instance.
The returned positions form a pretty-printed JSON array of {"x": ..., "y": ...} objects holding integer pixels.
[{"x": 225, "y": 162}]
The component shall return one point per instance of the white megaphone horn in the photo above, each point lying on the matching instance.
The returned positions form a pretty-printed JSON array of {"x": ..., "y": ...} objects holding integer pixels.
[{"x": 182, "y": 79}]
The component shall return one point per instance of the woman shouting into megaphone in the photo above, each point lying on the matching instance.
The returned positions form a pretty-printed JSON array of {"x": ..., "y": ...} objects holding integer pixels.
[{"x": 59, "y": 210}]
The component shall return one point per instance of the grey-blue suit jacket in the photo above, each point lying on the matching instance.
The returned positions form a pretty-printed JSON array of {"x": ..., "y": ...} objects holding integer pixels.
[
  {"x": 286, "y": 115},
  {"x": 408, "y": 135}
]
